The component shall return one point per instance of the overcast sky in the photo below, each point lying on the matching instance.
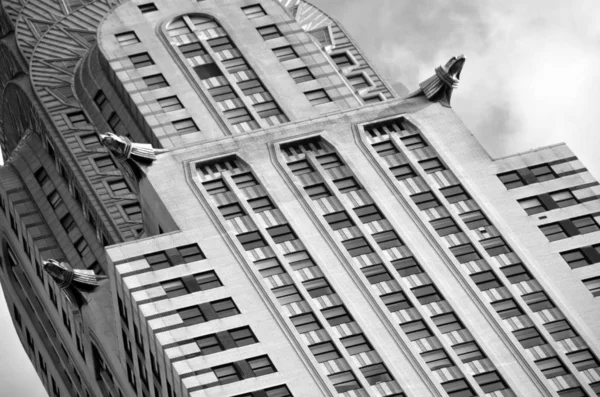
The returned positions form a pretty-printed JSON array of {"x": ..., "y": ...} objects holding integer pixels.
[{"x": 532, "y": 78}]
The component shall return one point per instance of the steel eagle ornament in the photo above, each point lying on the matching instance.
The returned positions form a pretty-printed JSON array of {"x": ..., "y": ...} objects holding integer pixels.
[
  {"x": 137, "y": 156},
  {"x": 439, "y": 87},
  {"x": 74, "y": 283}
]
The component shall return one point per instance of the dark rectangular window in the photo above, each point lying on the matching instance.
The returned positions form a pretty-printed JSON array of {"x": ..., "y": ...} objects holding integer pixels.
[
  {"x": 385, "y": 148},
  {"x": 376, "y": 274},
  {"x": 346, "y": 185},
  {"x": 41, "y": 176},
  {"x": 325, "y": 351},
  {"x": 281, "y": 234},
  {"x": 573, "y": 392},
  {"x": 185, "y": 125},
  {"x": 593, "y": 285},
  {"x": 516, "y": 273},
  {"x": 407, "y": 266},
  {"x": 127, "y": 38},
  {"x": 337, "y": 315},
  {"x": 387, "y": 240},
  {"x": 490, "y": 382},
  {"x": 586, "y": 224},
  {"x": 192, "y": 50},
  {"x": 486, "y": 280},
  {"x": 207, "y": 280},
  {"x": 235, "y": 65},
  {"x": 529, "y": 337},
  {"x": 342, "y": 60},
  {"x": 261, "y": 365},
  {"x": 458, "y": 388},
  {"x": 287, "y": 294},
  {"x": 437, "y": 359},
  {"x": 209, "y": 344},
  {"x": 465, "y": 253},
  {"x": 357, "y": 246},
  {"x": 158, "y": 260},
  {"x": 300, "y": 167},
  {"x": 148, "y": 7},
  {"x": 339, "y": 220},
  {"x": 356, "y": 344},
  {"x": 317, "y": 287},
  {"x": 269, "y": 267},
  {"x": 251, "y": 240},
  {"x": 226, "y": 374},
  {"x": 244, "y": 180},
  {"x": 396, "y": 301},
  {"x": 317, "y": 97},
  {"x": 543, "y": 172},
  {"x": 402, "y": 172},
  {"x": 425, "y": 200},
  {"x": 254, "y": 11},
  {"x": 243, "y": 336},
  {"x": 268, "y": 109},
  {"x": 216, "y": 186},
  {"x": 231, "y": 211},
  {"x": 305, "y": 322},
  {"x": 416, "y": 330},
  {"x": 168, "y": 104},
  {"x": 174, "y": 288},
  {"x": 564, "y": 198},
  {"x": 538, "y": 301},
  {"x": 447, "y": 322},
  {"x": 427, "y": 294},
  {"x": 191, "y": 253},
  {"x": 413, "y": 142},
  {"x": 576, "y": 258},
  {"x": 376, "y": 373},
  {"x": 285, "y": 53},
  {"x": 455, "y": 193},
  {"x": 301, "y": 75},
  {"x": 432, "y": 165},
  {"x": 261, "y": 204},
  {"x": 583, "y": 359},
  {"x": 141, "y": 60},
  {"x": 507, "y": 308},
  {"x": 119, "y": 187},
  {"x": 532, "y": 205},
  {"x": 318, "y": 191},
  {"x": 445, "y": 226},
  {"x": 269, "y": 32},
  {"x": 359, "y": 81},
  {"x": 225, "y": 308},
  {"x": 560, "y": 330},
  {"x": 155, "y": 81},
  {"x": 495, "y": 246},
  {"x": 344, "y": 381},
  {"x": 78, "y": 119},
  {"x": 368, "y": 213},
  {"x": 133, "y": 212},
  {"x": 250, "y": 87},
  {"x": 100, "y": 100},
  {"x": 474, "y": 219},
  {"x": 468, "y": 352},
  {"x": 330, "y": 160},
  {"x": 67, "y": 222},
  {"x": 554, "y": 231},
  {"x": 221, "y": 44},
  {"x": 551, "y": 367},
  {"x": 511, "y": 179},
  {"x": 207, "y": 71}
]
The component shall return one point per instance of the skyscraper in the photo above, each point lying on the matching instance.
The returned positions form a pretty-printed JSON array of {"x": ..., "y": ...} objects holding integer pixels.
[{"x": 267, "y": 217}]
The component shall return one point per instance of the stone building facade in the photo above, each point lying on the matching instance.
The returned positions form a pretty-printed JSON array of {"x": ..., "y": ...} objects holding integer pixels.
[{"x": 305, "y": 231}]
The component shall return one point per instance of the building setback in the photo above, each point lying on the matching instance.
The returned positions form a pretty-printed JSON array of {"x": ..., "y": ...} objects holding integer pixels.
[{"x": 284, "y": 222}]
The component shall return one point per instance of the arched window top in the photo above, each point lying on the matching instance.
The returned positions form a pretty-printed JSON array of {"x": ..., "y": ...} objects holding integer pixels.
[{"x": 201, "y": 24}]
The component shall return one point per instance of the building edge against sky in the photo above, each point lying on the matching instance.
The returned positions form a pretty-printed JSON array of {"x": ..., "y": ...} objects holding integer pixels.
[{"x": 302, "y": 231}]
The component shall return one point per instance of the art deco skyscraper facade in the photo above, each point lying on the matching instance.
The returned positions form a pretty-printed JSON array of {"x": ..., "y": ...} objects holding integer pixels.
[{"x": 304, "y": 232}]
